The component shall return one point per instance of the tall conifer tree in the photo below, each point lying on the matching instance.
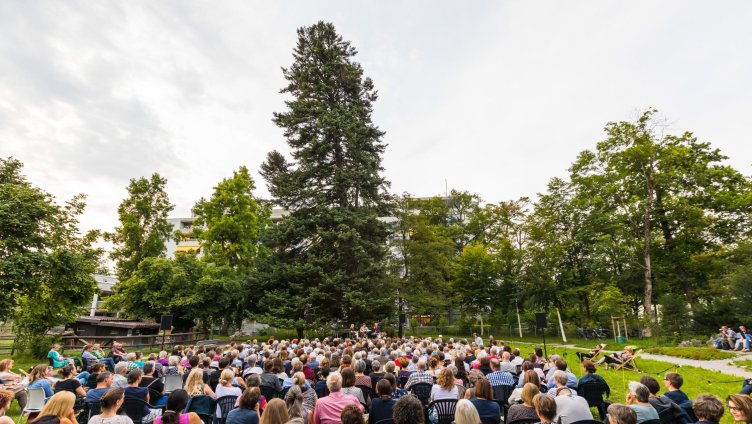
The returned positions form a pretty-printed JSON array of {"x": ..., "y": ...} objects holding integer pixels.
[{"x": 327, "y": 260}]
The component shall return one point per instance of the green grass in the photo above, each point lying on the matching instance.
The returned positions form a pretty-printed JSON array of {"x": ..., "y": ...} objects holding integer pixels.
[
  {"x": 701, "y": 353},
  {"x": 744, "y": 363}
]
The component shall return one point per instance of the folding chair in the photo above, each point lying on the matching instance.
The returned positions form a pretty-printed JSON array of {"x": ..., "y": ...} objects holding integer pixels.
[
  {"x": 173, "y": 382},
  {"x": 134, "y": 409},
  {"x": 366, "y": 392},
  {"x": 225, "y": 405},
  {"x": 204, "y": 406},
  {"x": 629, "y": 363},
  {"x": 35, "y": 402},
  {"x": 444, "y": 410},
  {"x": 593, "y": 392},
  {"x": 268, "y": 392},
  {"x": 422, "y": 391}
]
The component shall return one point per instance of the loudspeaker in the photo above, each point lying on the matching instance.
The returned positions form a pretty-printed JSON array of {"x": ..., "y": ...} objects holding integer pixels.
[
  {"x": 540, "y": 320},
  {"x": 166, "y": 323}
]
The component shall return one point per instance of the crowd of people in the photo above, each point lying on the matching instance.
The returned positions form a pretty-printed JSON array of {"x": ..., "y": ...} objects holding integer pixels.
[
  {"x": 369, "y": 378},
  {"x": 728, "y": 339}
]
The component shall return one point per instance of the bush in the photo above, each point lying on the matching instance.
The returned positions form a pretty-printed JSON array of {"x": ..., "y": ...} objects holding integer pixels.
[
  {"x": 700, "y": 353},
  {"x": 38, "y": 346}
]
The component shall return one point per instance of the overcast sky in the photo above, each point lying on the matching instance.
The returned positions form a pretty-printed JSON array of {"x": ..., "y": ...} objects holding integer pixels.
[{"x": 492, "y": 97}]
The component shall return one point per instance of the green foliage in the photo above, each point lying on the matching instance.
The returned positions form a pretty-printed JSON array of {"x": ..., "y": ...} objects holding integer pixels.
[
  {"x": 332, "y": 244},
  {"x": 45, "y": 264},
  {"x": 143, "y": 226},
  {"x": 699, "y": 353},
  {"x": 475, "y": 279}
]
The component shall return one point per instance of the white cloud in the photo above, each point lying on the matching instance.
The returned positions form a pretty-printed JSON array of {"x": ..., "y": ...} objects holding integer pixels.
[{"x": 495, "y": 97}]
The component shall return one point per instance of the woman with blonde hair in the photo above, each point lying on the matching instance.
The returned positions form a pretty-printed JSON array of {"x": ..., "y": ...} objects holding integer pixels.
[
  {"x": 195, "y": 386},
  {"x": 13, "y": 382},
  {"x": 445, "y": 387},
  {"x": 530, "y": 376},
  {"x": 526, "y": 409},
  {"x": 225, "y": 387},
  {"x": 465, "y": 413},
  {"x": 59, "y": 406},
  {"x": 275, "y": 412}
]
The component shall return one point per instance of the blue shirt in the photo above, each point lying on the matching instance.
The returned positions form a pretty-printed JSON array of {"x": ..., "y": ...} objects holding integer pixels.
[
  {"x": 242, "y": 416},
  {"x": 93, "y": 395},
  {"x": 571, "y": 380},
  {"x": 486, "y": 408},
  {"x": 44, "y": 384},
  {"x": 380, "y": 409},
  {"x": 500, "y": 378}
]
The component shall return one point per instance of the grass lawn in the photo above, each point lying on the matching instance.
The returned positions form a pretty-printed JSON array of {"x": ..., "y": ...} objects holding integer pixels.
[{"x": 744, "y": 363}]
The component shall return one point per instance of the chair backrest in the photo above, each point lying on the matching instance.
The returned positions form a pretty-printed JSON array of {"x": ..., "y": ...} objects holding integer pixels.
[
  {"x": 666, "y": 415},
  {"x": 492, "y": 420},
  {"x": 173, "y": 382},
  {"x": 403, "y": 381},
  {"x": 647, "y": 422},
  {"x": 35, "y": 400},
  {"x": 135, "y": 409},
  {"x": 203, "y": 406},
  {"x": 321, "y": 390},
  {"x": 226, "y": 404},
  {"x": 422, "y": 391},
  {"x": 91, "y": 408},
  {"x": 686, "y": 406},
  {"x": 367, "y": 393},
  {"x": 592, "y": 391},
  {"x": 385, "y": 421},
  {"x": 595, "y": 422},
  {"x": 444, "y": 409},
  {"x": 269, "y": 392},
  {"x": 502, "y": 393},
  {"x": 154, "y": 395}
]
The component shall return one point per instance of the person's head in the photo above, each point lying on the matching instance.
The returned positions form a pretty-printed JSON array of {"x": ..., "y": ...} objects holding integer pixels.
[
  {"x": 708, "y": 408},
  {"x": 483, "y": 389},
  {"x": 638, "y": 392},
  {"x": 391, "y": 379},
  {"x": 194, "y": 382},
  {"x": 59, "y": 405},
  {"x": 529, "y": 390},
  {"x": 40, "y": 371},
  {"x": 121, "y": 368},
  {"x": 148, "y": 368},
  {"x": 105, "y": 379},
  {"x": 545, "y": 407},
  {"x": 193, "y": 361},
  {"x": 226, "y": 377},
  {"x": 348, "y": 377},
  {"x": 673, "y": 381},
  {"x": 360, "y": 366},
  {"x": 250, "y": 397},
  {"x": 538, "y": 352},
  {"x": 408, "y": 410},
  {"x": 465, "y": 413},
  {"x": 495, "y": 365},
  {"x": 134, "y": 377},
  {"x": 176, "y": 402},
  {"x": 112, "y": 399},
  {"x": 294, "y": 402},
  {"x": 651, "y": 383},
  {"x": 589, "y": 366},
  {"x": 560, "y": 378},
  {"x": 97, "y": 368},
  {"x": 740, "y": 407},
  {"x": 351, "y": 415},
  {"x": 621, "y": 414},
  {"x": 275, "y": 412},
  {"x": 532, "y": 377},
  {"x": 6, "y": 397},
  {"x": 560, "y": 364},
  {"x": 421, "y": 364},
  {"x": 334, "y": 382},
  {"x": 445, "y": 379},
  {"x": 384, "y": 389},
  {"x": 253, "y": 380},
  {"x": 67, "y": 371},
  {"x": 6, "y": 365}
]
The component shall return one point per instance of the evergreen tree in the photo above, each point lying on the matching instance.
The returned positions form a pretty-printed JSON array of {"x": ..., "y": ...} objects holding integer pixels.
[{"x": 327, "y": 259}]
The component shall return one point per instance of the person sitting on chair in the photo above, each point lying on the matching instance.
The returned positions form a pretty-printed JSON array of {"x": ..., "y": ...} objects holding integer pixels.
[
  {"x": 662, "y": 403},
  {"x": 619, "y": 359},
  {"x": 545, "y": 408},
  {"x": 639, "y": 400},
  {"x": 592, "y": 354},
  {"x": 673, "y": 383}
]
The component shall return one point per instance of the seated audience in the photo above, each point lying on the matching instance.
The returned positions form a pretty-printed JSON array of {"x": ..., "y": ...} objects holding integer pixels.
[
  {"x": 275, "y": 412},
  {"x": 328, "y": 409},
  {"x": 41, "y": 377},
  {"x": 526, "y": 409},
  {"x": 383, "y": 404},
  {"x": 109, "y": 404},
  {"x": 104, "y": 381},
  {"x": 6, "y": 397},
  {"x": 545, "y": 408},
  {"x": 173, "y": 414},
  {"x": 663, "y": 403},
  {"x": 638, "y": 399},
  {"x": 465, "y": 413},
  {"x": 621, "y": 414},
  {"x": 740, "y": 407},
  {"x": 591, "y": 377},
  {"x": 708, "y": 409},
  {"x": 60, "y": 407},
  {"x": 673, "y": 383},
  {"x": 352, "y": 415},
  {"x": 444, "y": 387},
  {"x": 407, "y": 410},
  {"x": 484, "y": 399},
  {"x": 294, "y": 403},
  {"x": 248, "y": 409}
]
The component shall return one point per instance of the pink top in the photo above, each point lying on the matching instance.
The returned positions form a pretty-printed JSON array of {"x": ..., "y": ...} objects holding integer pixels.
[
  {"x": 182, "y": 420},
  {"x": 329, "y": 408}
]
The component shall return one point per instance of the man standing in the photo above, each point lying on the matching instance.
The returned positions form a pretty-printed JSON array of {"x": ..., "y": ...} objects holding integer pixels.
[{"x": 478, "y": 340}]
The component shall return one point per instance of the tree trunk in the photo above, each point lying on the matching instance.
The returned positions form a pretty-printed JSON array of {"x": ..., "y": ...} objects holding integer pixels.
[{"x": 648, "y": 295}]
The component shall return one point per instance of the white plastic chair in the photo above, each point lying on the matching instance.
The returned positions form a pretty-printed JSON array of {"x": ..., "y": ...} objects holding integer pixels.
[
  {"x": 35, "y": 402},
  {"x": 173, "y": 382}
]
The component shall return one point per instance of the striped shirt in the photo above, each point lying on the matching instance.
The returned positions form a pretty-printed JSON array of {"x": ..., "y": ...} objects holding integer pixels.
[{"x": 500, "y": 378}]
